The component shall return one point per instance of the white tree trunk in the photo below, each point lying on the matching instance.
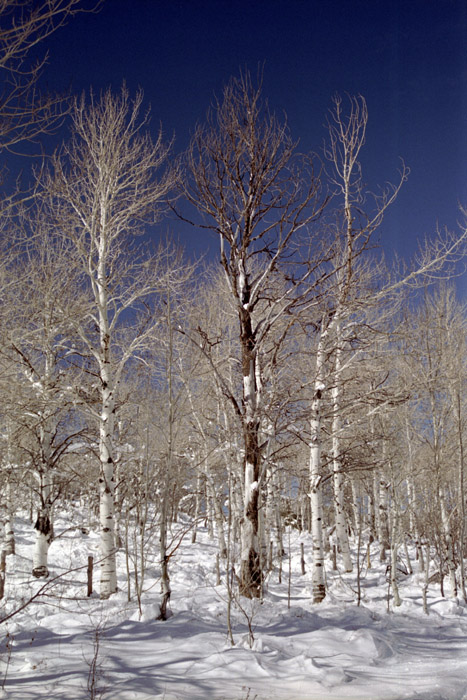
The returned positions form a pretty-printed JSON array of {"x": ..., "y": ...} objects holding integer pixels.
[
  {"x": 166, "y": 591},
  {"x": 316, "y": 498},
  {"x": 197, "y": 506},
  {"x": 108, "y": 579},
  {"x": 394, "y": 550},
  {"x": 338, "y": 478},
  {"x": 9, "y": 539},
  {"x": 410, "y": 479},
  {"x": 383, "y": 521},
  {"x": 218, "y": 517},
  {"x": 41, "y": 546},
  {"x": 449, "y": 544},
  {"x": 249, "y": 543},
  {"x": 43, "y": 525},
  {"x": 250, "y": 566}
]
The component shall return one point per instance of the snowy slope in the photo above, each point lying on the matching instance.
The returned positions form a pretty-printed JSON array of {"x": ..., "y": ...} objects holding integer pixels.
[{"x": 296, "y": 651}]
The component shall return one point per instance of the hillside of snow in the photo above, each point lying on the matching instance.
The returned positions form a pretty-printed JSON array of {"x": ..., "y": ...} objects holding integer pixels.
[{"x": 67, "y": 646}]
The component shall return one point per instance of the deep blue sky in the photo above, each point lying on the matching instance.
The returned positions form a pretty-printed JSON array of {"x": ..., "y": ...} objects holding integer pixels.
[{"x": 408, "y": 59}]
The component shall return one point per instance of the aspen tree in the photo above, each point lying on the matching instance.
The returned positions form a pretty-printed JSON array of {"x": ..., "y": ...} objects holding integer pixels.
[
  {"x": 104, "y": 186},
  {"x": 316, "y": 473},
  {"x": 346, "y": 139},
  {"x": 249, "y": 190},
  {"x": 34, "y": 337},
  {"x": 25, "y": 112},
  {"x": 429, "y": 335}
]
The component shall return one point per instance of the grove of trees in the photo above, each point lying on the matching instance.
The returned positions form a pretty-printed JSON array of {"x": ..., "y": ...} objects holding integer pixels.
[{"x": 295, "y": 381}]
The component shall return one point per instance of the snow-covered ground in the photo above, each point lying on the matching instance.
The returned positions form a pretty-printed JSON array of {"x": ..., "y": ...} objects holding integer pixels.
[{"x": 299, "y": 651}]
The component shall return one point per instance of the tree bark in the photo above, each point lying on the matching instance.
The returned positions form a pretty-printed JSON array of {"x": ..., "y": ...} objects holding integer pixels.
[
  {"x": 250, "y": 569},
  {"x": 108, "y": 578},
  {"x": 316, "y": 498},
  {"x": 338, "y": 481}
]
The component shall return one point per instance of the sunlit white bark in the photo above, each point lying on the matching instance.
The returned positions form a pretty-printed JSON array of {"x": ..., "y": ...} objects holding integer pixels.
[
  {"x": 339, "y": 505},
  {"x": 316, "y": 496}
]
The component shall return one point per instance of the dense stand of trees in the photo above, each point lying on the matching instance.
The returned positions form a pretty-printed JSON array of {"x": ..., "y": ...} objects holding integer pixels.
[{"x": 300, "y": 382}]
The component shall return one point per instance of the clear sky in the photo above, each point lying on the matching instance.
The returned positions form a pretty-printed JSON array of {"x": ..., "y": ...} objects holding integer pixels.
[{"x": 407, "y": 58}]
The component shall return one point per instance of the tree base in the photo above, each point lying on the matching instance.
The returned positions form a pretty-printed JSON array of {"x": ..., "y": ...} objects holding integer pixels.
[
  {"x": 250, "y": 584},
  {"x": 40, "y": 572},
  {"x": 319, "y": 593}
]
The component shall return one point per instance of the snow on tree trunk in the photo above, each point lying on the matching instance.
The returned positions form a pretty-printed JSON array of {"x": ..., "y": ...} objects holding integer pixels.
[
  {"x": 250, "y": 573},
  {"x": 250, "y": 569}
]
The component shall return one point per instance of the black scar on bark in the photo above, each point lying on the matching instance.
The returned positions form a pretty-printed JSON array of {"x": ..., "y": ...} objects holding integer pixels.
[{"x": 43, "y": 524}]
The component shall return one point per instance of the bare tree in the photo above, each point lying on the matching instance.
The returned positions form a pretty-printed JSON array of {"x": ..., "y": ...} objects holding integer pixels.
[
  {"x": 256, "y": 196},
  {"x": 34, "y": 336},
  {"x": 433, "y": 366},
  {"x": 25, "y": 113},
  {"x": 103, "y": 188}
]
